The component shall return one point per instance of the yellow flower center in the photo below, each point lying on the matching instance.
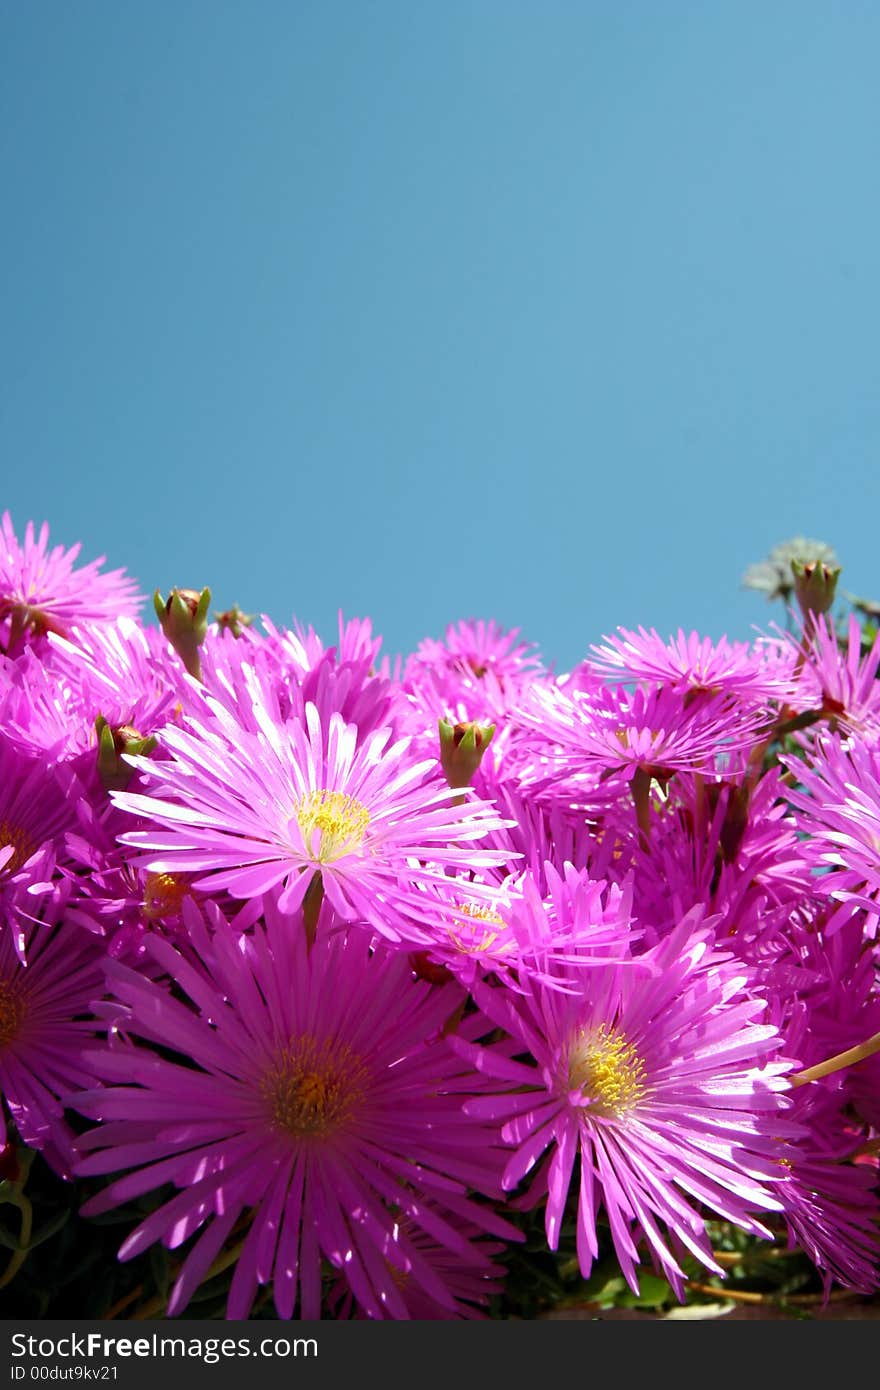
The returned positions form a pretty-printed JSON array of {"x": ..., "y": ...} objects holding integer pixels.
[
  {"x": 312, "y": 1089},
  {"x": 163, "y": 895},
  {"x": 340, "y": 820},
  {"x": 477, "y": 932},
  {"x": 12, "y": 1012},
  {"x": 607, "y": 1070},
  {"x": 22, "y": 846}
]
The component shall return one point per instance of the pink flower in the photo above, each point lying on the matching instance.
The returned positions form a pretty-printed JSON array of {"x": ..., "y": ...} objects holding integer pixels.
[
  {"x": 839, "y": 817},
  {"x": 248, "y": 810},
  {"x": 45, "y": 1025},
  {"x": 658, "y": 1078},
  {"x": 831, "y": 1203},
  {"x": 841, "y": 683},
  {"x": 312, "y": 1090},
  {"x": 656, "y": 731},
  {"x": 40, "y": 591},
  {"x": 39, "y": 802},
  {"x": 521, "y": 934},
  {"x": 478, "y": 666},
  {"x": 752, "y": 673}
]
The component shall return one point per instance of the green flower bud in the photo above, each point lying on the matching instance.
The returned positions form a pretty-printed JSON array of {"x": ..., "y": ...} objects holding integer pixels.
[
  {"x": 183, "y": 617},
  {"x": 234, "y": 620},
  {"x": 112, "y": 743},
  {"x": 815, "y": 584},
  {"x": 773, "y": 576},
  {"x": 461, "y": 749}
]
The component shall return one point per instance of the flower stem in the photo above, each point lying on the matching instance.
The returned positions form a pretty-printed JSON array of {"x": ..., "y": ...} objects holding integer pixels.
[
  {"x": 836, "y": 1063},
  {"x": 641, "y": 794},
  {"x": 24, "y": 1239},
  {"x": 312, "y": 907}
]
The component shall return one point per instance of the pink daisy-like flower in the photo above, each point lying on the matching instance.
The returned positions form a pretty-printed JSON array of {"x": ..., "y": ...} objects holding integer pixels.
[
  {"x": 658, "y": 1077},
  {"x": 301, "y": 649},
  {"x": 841, "y": 684},
  {"x": 831, "y": 1204},
  {"x": 314, "y": 1090},
  {"x": 838, "y": 1008},
  {"x": 40, "y": 591},
  {"x": 689, "y": 662},
  {"x": 478, "y": 665},
  {"x": 122, "y": 671},
  {"x": 248, "y": 810},
  {"x": 122, "y": 901},
  {"x": 476, "y": 649},
  {"x": 831, "y": 1207},
  {"x": 39, "y": 802},
  {"x": 114, "y": 899},
  {"x": 45, "y": 1024},
  {"x": 40, "y": 709},
  {"x": 524, "y": 934},
  {"x": 266, "y": 678},
  {"x": 49, "y": 703},
  {"x": 652, "y": 733},
  {"x": 839, "y": 817}
]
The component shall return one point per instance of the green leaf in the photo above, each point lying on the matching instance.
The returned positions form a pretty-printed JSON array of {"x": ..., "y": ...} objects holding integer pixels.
[{"x": 654, "y": 1291}]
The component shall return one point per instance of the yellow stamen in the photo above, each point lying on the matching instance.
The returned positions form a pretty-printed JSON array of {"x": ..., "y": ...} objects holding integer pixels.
[
  {"x": 470, "y": 939},
  {"x": 607, "y": 1070},
  {"x": 340, "y": 819},
  {"x": 12, "y": 1012},
  {"x": 22, "y": 846},
  {"x": 313, "y": 1089},
  {"x": 163, "y": 895},
  {"x": 481, "y": 913}
]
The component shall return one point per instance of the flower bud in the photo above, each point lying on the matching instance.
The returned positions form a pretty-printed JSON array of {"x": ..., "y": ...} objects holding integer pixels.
[
  {"x": 233, "y": 620},
  {"x": 183, "y": 617},
  {"x": 461, "y": 749},
  {"x": 815, "y": 584},
  {"x": 773, "y": 575},
  {"x": 115, "y": 775}
]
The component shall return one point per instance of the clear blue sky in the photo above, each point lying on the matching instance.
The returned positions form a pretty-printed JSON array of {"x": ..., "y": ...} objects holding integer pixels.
[{"x": 561, "y": 313}]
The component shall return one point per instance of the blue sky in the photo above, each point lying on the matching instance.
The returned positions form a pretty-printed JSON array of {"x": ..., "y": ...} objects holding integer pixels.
[{"x": 561, "y": 313}]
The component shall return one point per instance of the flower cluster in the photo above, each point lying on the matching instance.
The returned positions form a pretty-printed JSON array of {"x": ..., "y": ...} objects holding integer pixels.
[{"x": 339, "y": 965}]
